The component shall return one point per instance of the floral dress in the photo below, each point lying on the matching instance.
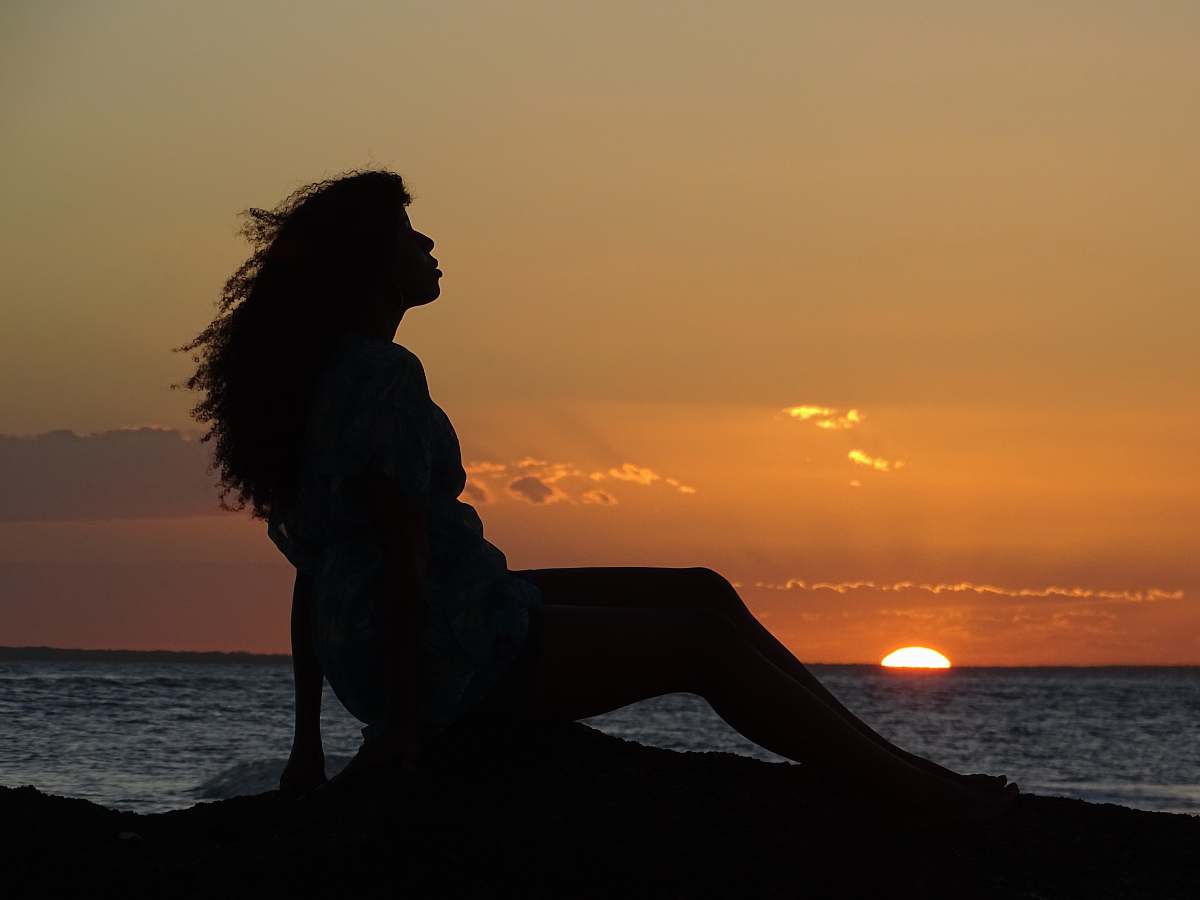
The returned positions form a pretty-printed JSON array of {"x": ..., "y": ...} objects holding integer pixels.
[{"x": 372, "y": 410}]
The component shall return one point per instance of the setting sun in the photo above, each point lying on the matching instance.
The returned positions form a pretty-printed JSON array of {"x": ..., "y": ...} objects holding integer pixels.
[{"x": 915, "y": 658}]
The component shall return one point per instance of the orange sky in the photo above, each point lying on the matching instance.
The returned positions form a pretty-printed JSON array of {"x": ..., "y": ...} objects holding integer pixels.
[{"x": 662, "y": 228}]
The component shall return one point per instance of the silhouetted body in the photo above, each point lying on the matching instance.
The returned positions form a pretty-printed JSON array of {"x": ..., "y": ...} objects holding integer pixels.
[
  {"x": 327, "y": 427},
  {"x": 372, "y": 409}
]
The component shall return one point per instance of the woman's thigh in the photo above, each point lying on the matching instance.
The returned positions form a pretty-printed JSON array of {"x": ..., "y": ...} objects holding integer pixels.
[
  {"x": 599, "y": 658},
  {"x": 636, "y": 586}
]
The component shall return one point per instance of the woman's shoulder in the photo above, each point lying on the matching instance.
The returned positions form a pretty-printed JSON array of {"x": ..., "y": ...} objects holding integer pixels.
[
  {"x": 379, "y": 350},
  {"x": 390, "y": 364}
]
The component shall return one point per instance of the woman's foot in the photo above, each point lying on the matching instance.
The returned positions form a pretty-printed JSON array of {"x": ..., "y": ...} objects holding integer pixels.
[
  {"x": 975, "y": 801},
  {"x": 939, "y": 797},
  {"x": 996, "y": 782}
]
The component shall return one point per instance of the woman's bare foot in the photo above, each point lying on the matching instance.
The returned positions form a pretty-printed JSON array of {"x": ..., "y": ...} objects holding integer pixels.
[
  {"x": 995, "y": 782},
  {"x": 974, "y": 802},
  {"x": 992, "y": 804}
]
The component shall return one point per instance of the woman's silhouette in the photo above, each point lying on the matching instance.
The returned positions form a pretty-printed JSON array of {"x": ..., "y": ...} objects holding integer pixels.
[{"x": 326, "y": 427}]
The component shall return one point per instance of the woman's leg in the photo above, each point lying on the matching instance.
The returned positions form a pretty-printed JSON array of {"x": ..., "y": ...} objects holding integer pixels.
[
  {"x": 692, "y": 589},
  {"x": 600, "y": 658}
]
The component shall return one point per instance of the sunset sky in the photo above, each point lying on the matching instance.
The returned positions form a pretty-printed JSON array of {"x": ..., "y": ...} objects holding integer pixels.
[{"x": 887, "y": 312}]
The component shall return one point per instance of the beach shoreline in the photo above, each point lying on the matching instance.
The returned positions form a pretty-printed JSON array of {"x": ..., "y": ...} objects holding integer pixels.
[{"x": 569, "y": 811}]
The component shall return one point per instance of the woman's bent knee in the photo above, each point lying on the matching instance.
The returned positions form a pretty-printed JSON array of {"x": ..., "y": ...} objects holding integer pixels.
[{"x": 717, "y": 592}]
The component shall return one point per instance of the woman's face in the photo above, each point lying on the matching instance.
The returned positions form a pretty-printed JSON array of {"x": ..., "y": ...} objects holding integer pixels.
[{"x": 416, "y": 273}]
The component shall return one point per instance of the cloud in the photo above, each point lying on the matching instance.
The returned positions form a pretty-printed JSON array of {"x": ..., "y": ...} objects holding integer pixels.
[
  {"x": 878, "y": 463},
  {"x": 552, "y": 473},
  {"x": 826, "y": 418},
  {"x": 155, "y": 472},
  {"x": 630, "y": 472},
  {"x": 542, "y": 469},
  {"x": 538, "y": 484},
  {"x": 534, "y": 490},
  {"x": 476, "y": 492},
  {"x": 851, "y": 419},
  {"x": 646, "y": 476},
  {"x": 485, "y": 468},
  {"x": 682, "y": 488},
  {"x": 125, "y": 473},
  {"x": 804, "y": 413},
  {"x": 1140, "y": 595},
  {"x": 603, "y": 498}
]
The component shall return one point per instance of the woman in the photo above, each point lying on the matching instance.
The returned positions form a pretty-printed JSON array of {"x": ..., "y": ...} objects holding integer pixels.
[{"x": 326, "y": 427}]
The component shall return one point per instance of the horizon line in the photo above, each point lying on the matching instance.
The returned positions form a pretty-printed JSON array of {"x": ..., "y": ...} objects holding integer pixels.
[{"x": 32, "y": 653}]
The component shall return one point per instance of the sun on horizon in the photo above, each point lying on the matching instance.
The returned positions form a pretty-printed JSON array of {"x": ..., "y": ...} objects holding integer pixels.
[{"x": 915, "y": 658}]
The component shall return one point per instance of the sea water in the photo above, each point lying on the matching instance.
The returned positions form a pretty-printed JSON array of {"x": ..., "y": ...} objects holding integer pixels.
[{"x": 151, "y": 736}]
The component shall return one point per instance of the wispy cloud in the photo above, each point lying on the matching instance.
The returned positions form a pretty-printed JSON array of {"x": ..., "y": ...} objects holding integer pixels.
[
  {"x": 804, "y": 413},
  {"x": 878, "y": 463},
  {"x": 851, "y": 419},
  {"x": 485, "y": 468},
  {"x": 535, "y": 490},
  {"x": 598, "y": 496},
  {"x": 630, "y": 472},
  {"x": 545, "y": 486},
  {"x": 154, "y": 472},
  {"x": 830, "y": 418},
  {"x": 682, "y": 488},
  {"x": 646, "y": 476},
  {"x": 827, "y": 418},
  {"x": 476, "y": 492},
  {"x": 1140, "y": 595},
  {"x": 125, "y": 473}
]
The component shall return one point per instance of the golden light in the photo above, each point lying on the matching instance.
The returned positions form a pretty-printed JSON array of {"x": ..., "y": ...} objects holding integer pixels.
[{"x": 915, "y": 658}]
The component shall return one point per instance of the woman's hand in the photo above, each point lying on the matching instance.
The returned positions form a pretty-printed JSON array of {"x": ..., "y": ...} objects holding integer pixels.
[{"x": 304, "y": 772}]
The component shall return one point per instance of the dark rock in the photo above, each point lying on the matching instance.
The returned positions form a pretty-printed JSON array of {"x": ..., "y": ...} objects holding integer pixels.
[{"x": 570, "y": 812}]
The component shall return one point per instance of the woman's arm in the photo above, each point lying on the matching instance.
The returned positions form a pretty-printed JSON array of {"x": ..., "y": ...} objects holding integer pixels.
[
  {"x": 305, "y": 768},
  {"x": 306, "y": 668}
]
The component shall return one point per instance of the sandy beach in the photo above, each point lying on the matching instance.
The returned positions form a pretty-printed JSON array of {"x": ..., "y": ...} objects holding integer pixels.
[{"x": 571, "y": 812}]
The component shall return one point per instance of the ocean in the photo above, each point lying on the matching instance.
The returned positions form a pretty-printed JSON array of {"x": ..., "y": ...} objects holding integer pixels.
[{"x": 152, "y": 735}]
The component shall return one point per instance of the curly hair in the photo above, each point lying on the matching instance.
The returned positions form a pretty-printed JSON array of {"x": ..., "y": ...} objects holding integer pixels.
[{"x": 317, "y": 254}]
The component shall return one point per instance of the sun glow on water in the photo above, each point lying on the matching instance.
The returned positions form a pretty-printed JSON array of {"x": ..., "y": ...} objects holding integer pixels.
[{"x": 915, "y": 658}]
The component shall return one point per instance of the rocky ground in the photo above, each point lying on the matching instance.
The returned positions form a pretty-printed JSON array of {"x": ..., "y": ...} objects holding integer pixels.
[{"x": 569, "y": 812}]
